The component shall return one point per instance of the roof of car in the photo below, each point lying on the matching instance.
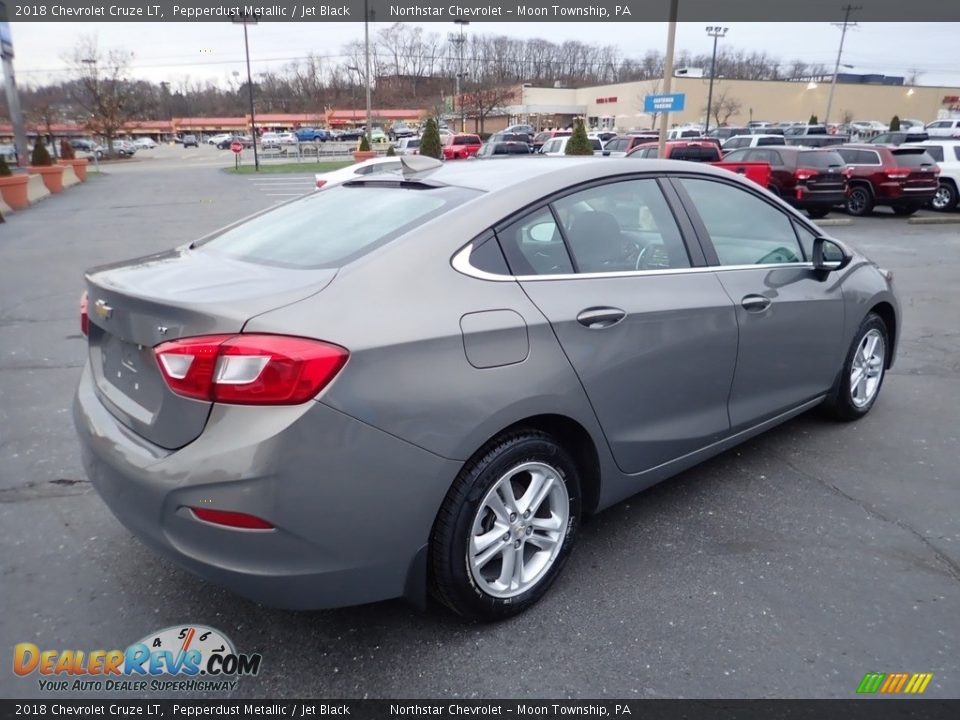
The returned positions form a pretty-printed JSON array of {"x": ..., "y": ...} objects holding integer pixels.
[{"x": 564, "y": 170}]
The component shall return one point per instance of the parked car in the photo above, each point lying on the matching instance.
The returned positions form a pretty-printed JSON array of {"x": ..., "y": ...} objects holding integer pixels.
[
  {"x": 512, "y": 137},
  {"x": 946, "y": 153},
  {"x": 949, "y": 128},
  {"x": 409, "y": 146},
  {"x": 145, "y": 143},
  {"x": 124, "y": 148},
  {"x": 373, "y": 166},
  {"x": 190, "y": 141},
  {"x": 522, "y": 128},
  {"x": 869, "y": 128},
  {"x": 350, "y": 135},
  {"x": 8, "y": 152},
  {"x": 898, "y": 137},
  {"x": 748, "y": 141},
  {"x": 250, "y": 400},
  {"x": 309, "y": 134},
  {"x": 698, "y": 150},
  {"x": 795, "y": 130},
  {"x": 558, "y": 146},
  {"x": 620, "y": 145},
  {"x": 725, "y": 133},
  {"x": 911, "y": 124},
  {"x": 811, "y": 180},
  {"x": 684, "y": 133},
  {"x": 82, "y": 145},
  {"x": 506, "y": 148},
  {"x": 400, "y": 130},
  {"x": 602, "y": 135},
  {"x": 460, "y": 146},
  {"x": 816, "y": 141},
  {"x": 903, "y": 178},
  {"x": 377, "y": 135},
  {"x": 218, "y": 138},
  {"x": 541, "y": 137}
]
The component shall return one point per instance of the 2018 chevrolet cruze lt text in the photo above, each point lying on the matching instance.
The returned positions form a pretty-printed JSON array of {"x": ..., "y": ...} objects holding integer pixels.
[{"x": 422, "y": 380}]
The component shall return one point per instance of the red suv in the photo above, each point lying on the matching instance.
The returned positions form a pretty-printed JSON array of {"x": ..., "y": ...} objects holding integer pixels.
[
  {"x": 904, "y": 178},
  {"x": 461, "y": 146}
]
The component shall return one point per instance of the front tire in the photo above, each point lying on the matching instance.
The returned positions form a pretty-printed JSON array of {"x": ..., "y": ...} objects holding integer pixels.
[
  {"x": 863, "y": 371},
  {"x": 946, "y": 198},
  {"x": 859, "y": 201},
  {"x": 506, "y": 527}
]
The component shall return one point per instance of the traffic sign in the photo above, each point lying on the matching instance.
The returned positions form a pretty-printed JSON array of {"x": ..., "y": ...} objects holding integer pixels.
[
  {"x": 236, "y": 146},
  {"x": 663, "y": 103}
]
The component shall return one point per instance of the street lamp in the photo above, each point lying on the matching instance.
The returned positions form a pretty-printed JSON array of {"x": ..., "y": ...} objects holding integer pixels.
[
  {"x": 716, "y": 32},
  {"x": 460, "y": 40},
  {"x": 248, "y": 20}
]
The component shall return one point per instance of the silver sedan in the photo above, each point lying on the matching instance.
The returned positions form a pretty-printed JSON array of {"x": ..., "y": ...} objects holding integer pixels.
[{"x": 421, "y": 381}]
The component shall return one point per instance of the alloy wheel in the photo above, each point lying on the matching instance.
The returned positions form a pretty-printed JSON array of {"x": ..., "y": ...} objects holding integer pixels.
[
  {"x": 866, "y": 372},
  {"x": 941, "y": 201},
  {"x": 518, "y": 530}
]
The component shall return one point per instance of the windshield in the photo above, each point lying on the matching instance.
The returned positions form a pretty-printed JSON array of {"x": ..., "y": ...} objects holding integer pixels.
[{"x": 333, "y": 227}]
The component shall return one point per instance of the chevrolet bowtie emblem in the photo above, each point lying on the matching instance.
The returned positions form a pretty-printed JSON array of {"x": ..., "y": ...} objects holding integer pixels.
[{"x": 102, "y": 309}]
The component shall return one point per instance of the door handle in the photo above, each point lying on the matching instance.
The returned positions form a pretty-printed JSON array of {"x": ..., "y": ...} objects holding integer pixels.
[
  {"x": 755, "y": 303},
  {"x": 601, "y": 317}
]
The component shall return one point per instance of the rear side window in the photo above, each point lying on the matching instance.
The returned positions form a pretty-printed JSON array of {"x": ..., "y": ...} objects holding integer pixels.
[
  {"x": 912, "y": 158},
  {"x": 330, "y": 228},
  {"x": 534, "y": 246},
  {"x": 770, "y": 141},
  {"x": 936, "y": 152},
  {"x": 618, "y": 144}
]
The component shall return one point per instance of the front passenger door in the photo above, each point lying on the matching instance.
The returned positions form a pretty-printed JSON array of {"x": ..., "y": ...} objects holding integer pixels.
[{"x": 790, "y": 318}]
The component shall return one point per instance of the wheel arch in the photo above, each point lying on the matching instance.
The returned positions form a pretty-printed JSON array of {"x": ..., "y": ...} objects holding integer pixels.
[{"x": 889, "y": 316}]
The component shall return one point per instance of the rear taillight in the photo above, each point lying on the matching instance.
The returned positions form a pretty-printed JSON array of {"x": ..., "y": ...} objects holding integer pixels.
[
  {"x": 84, "y": 318},
  {"x": 897, "y": 174},
  {"x": 803, "y": 174},
  {"x": 249, "y": 369},
  {"x": 320, "y": 183},
  {"x": 847, "y": 172},
  {"x": 231, "y": 519}
]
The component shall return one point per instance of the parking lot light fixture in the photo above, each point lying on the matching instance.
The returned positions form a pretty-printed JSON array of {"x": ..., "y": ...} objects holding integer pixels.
[
  {"x": 716, "y": 32},
  {"x": 248, "y": 20}
]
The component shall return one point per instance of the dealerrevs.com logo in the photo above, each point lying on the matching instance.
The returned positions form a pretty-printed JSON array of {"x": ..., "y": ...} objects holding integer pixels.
[{"x": 185, "y": 658}]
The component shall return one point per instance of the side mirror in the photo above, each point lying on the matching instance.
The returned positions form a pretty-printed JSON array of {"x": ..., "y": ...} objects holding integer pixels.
[{"x": 829, "y": 255}]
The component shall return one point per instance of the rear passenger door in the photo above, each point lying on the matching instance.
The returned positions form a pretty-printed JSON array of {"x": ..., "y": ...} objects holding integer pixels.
[
  {"x": 790, "y": 318},
  {"x": 648, "y": 329}
]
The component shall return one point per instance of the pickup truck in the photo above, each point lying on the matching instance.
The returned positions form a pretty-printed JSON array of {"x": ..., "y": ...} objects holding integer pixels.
[
  {"x": 312, "y": 135},
  {"x": 705, "y": 152}
]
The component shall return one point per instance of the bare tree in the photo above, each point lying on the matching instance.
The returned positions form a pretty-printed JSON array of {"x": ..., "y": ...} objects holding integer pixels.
[
  {"x": 44, "y": 107},
  {"x": 103, "y": 88},
  {"x": 724, "y": 107},
  {"x": 482, "y": 101}
]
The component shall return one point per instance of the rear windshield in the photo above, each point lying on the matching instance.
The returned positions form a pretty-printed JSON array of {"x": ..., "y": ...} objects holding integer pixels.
[
  {"x": 413, "y": 142},
  {"x": 912, "y": 158},
  {"x": 466, "y": 140},
  {"x": 819, "y": 159},
  {"x": 332, "y": 227},
  {"x": 694, "y": 153}
]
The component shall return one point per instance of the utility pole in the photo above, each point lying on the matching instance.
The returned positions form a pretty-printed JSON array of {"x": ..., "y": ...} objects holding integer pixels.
[
  {"x": 836, "y": 68},
  {"x": 10, "y": 84},
  {"x": 460, "y": 40},
  {"x": 668, "y": 75},
  {"x": 716, "y": 32},
  {"x": 248, "y": 20},
  {"x": 366, "y": 61}
]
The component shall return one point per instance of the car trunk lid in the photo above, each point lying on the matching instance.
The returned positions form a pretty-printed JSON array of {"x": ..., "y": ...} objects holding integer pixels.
[{"x": 134, "y": 306}]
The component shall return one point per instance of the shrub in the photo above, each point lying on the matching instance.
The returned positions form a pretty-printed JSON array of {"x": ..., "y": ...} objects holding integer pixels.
[
  {"x": 579, "y": 143},
  {"x": 40, "y": 156},
  {"x": 813, "y": 120},
  {"x": 4, "y": 168},
  {"x": 364, "y": 143},
  {"x": 895, "y": 123},
  {"x": 390, "y": 151},
  {"x": 66, "y": 150},
  {"x": 430, "y": 142}
]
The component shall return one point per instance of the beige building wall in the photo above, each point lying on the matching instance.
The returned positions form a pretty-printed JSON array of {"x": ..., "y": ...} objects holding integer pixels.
[{"x": 759, "y": 100}]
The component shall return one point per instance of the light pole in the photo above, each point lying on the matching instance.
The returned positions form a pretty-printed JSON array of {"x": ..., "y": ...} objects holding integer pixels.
[
  {"x": 716, "y": 32},
  {"x": 366, "y": 59},
  {"x": 836, "y": 68},
  {"x": 668, "y": 75},
  {"x": 460, "y": 40},
  {"x": 246, "y": 20}
]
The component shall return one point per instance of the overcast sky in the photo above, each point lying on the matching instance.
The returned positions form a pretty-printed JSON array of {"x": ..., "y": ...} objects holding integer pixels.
[{"x": 204, "y": 50}]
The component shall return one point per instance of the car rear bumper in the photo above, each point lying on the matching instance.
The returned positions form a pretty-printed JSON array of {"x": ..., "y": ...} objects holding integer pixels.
[
  {"x": 894, "y": 193},
  {"x": 352, "y": 507},
  {"x": 818, "y": 199}
]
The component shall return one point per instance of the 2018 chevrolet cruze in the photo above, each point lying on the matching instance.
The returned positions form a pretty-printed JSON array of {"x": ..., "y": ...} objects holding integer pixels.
[{"x": 423, "y": 380}]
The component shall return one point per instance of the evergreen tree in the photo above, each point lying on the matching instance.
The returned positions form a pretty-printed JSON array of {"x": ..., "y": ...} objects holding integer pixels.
[
  {"x": 430, "y": 142},
  {"x": 813, "y": 120},
  {"x": 40, "y": 156},
  {"x": 895, "y": 123},
  {"x": 579, "y": 143}
]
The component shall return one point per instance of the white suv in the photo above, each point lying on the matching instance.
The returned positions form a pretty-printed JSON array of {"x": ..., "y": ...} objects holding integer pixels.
[
  {"x": 944, "y": 128},
  {"x": 947, "y": 154}
]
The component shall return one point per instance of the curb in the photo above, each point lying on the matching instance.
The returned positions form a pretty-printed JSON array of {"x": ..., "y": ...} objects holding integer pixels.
[
  {"x": 943, "y": 220},
  {"x": 831, "y": 222}
]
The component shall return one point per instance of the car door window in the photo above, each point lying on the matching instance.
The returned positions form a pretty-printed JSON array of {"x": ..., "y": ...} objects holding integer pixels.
[
  {"x": 744, "y": 229},
  {"x": 621, "y": 226},
  {"x": 737, "y": 156},
  {"x": 534, "y": 246}
]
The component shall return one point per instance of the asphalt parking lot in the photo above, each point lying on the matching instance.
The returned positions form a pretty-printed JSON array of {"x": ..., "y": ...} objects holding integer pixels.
[{"x": 788, "y": 567}]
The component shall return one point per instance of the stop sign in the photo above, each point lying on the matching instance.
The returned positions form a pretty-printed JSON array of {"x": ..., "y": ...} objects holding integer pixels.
[{"x": 236, "y": 146}]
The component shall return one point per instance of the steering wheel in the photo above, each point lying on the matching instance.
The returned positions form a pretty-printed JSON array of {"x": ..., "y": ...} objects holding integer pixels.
[
  {"x": 779, "y": 255},
  {"x": 640, "y": 257}
]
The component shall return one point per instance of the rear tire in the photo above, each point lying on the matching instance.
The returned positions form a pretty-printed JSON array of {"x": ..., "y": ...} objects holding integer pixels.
[
  {"x": 494, "y": 550},
  {"x": 859, "y": 201},
  {"x": 905, "y": 210},
  {"x": 861, "y": 376},
  {"x": 818, "y": 212}
]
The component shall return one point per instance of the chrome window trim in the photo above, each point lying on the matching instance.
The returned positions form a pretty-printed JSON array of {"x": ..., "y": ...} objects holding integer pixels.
[{"x": 461, "y": 263}]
